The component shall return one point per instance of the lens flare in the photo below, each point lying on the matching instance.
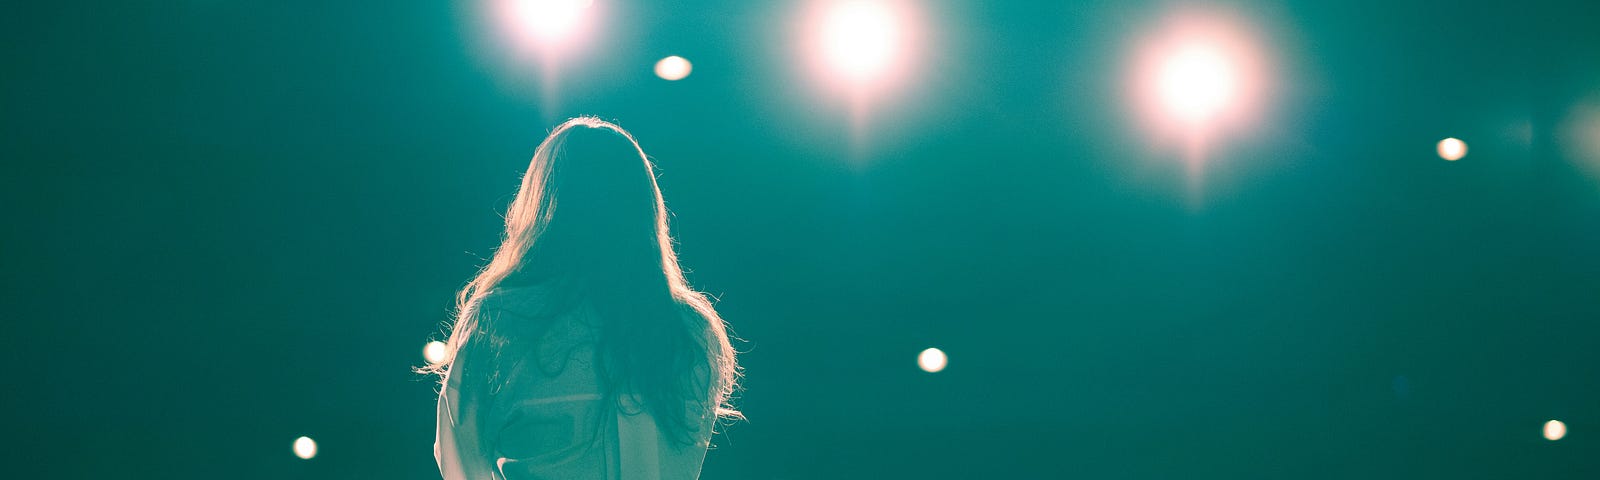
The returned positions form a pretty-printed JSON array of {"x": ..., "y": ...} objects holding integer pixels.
[
  {"x": 932, "y": 360},
  {"x": 1452, "y": 149},
  {"x": 435, "y": 352},
  {"x": 1196, "y": 79},
  {"x": 861, "y": 46},
  {"x": 305, "y": 448},
  {"x": 860, "y": 39},
  {"x": 1198, "y": 74},
  {"x": 550, "y": 20},
  {"x": 1554, "y": 430},
  {"x": 862, "y": 55},
  {"x": 673, "y": 68},
  {"x": 1197, "y": 82}
]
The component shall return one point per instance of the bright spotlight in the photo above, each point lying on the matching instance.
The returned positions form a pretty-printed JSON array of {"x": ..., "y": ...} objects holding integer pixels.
[
  {"x": 550, "y": 20},
  {"x": 1452, "y": 149},
  {"x": 673, "y": 68},
  {"x": 1197, "y": 82},
  {"x": 1199, "y": 75},
  {"x": 305, "y": 448},
  {"x": 932, "y": 360},
  {"x": 434, "y": 352},
  {"x": 1554, "y": 430},
  {"x": 860, "y": 39},
  {"x": 862, "y": 52}
]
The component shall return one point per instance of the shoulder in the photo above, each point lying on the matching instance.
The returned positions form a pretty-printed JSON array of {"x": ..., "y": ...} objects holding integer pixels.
[
  {"x": 517, "y": 305},
  {"x": 529, "y": 315},
  {"x": 522, "y": 297}
]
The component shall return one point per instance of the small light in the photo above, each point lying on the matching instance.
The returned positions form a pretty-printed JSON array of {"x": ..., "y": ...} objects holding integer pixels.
[
  {"x": 1452, "y": 149},
  {"x": 434, "y": 352},
  {"x": 673, "y": 68},
  {"x": 305, "y": 448},
  {"x": 1554, "y": 430},
  {"x": 932, "y": 360}
]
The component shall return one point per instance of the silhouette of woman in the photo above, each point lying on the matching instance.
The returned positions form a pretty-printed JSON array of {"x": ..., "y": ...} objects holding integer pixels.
[{"x": 579, "y": 351}]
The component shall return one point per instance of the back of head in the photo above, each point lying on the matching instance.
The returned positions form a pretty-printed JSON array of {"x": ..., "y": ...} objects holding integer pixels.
[
  {"x": 591, "y": 212},
  {"x": 589, "y": 225}
]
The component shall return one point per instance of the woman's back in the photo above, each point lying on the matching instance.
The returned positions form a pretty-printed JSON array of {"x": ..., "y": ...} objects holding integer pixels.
[
  {"x": 580, "y": 351},
  {"x": 538, "y": 410}
]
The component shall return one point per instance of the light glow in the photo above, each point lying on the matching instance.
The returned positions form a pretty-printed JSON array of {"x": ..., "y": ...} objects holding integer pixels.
[
  {"x": 932, "y": 360},
  {"x": 435, "y": 352},
  {"x": 1554, "y": 430},
  {"x": 862, "y": 54},
  {"x": 1196, "y": 78},
  {"x": 860, "y": 39},
  {"x": 673, "y": 68},
  {"x": 552, "y": 36},
  {"x": 1197, "y": 82},
  {"x": 1452, "y": 149},
  {"x": 1578, "y": 135},
  {"x": 550, "y": 20},
  {"x": 1198, "y": 75},
  {"x": 305, "y": 448}
]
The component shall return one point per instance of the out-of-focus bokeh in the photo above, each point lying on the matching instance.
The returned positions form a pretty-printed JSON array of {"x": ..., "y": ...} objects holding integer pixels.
[{"x": 1157, "y": 239}]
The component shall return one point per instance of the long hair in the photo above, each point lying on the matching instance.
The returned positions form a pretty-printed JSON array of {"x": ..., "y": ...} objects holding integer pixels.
[{"x": 589, "y": 225}]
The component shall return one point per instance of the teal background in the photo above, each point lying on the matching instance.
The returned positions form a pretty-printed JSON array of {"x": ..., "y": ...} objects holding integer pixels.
[{"x": 234, "y": 223}]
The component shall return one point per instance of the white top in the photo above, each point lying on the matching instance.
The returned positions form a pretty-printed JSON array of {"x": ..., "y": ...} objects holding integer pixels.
[{"x": 551, "y": 422}]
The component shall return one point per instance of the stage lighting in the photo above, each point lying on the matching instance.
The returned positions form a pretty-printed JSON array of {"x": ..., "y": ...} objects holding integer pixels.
[
  {"x": 434, "y": 352},
  {"x": 932, "y": 360},
  {"x": 861, "y": 54},
  {"x": 305, "y": 448},
  {"x": 673, "y": 68},
  {"x": 860, "y": 39},
  {"x": 1554, "y": 430},
  {"x": 550, "y": 20},
  {"x": 1199, "y": 74},
  {"x": 1196, "y": 79},
  {"x": 1452, "y": 149},
  {"x": 1196, "y": 83}
]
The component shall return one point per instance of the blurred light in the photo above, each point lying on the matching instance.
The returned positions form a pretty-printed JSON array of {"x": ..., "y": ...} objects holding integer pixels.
[
  {"x": 1196, "y": 82},
  {"x": 860, "y": 39},
  {"x": 1195, "y": 78},
  {"x": 1554, "y": 430},
  {"x": 1578, "y": 134},
  {"x": 861, "y": 46},
  {"x": 673, "y": 68},
  {"x": 550, "y": 20},
  {"x": 862, "y": 55},
  {"x": 554, "y": 37},
  {"x": 435, "y": 352},
  {"x": 305, "y": 448},
  {"x": 932, "y": 360},
  {"x": 1452, "y": 149}
]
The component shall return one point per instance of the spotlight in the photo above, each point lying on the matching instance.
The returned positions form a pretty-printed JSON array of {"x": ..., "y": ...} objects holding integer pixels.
[
  {"x": 932, "y": 360},
  {"x": 673, "y": 68},
  {"x": 860, "y": 39},
  {"x": 1199, "y": 74},
  {"x": 1554, "y": 430},
  {"x": 305, "y": 448},
  {"x": 550, "y": 21},
  {"x": 1195, "y": 79},
  {"x": 1452, "y": 149},
  {"x": 1197, "y": 82},
  {"x": 434, "y": 352}
]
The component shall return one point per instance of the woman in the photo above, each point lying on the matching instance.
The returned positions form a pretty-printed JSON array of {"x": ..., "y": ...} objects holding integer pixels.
[{"x": 579, "y": 351}]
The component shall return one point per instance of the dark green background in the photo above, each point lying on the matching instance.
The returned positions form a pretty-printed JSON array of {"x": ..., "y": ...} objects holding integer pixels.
[{"x": 229, "y": 224}]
